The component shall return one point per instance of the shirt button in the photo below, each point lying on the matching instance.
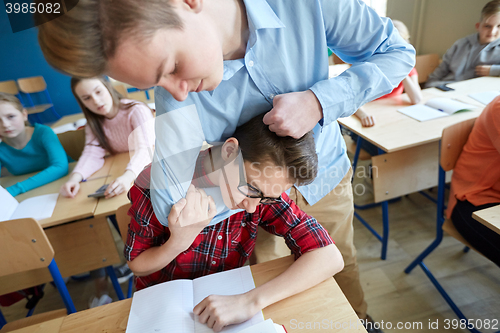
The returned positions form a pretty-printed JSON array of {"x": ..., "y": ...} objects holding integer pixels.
[
  {"x": 243, "y": 224},
  {"x": 219, "y": 237},
  {"x": 250, "y": 63},
  {"x": 272, "y": 96},
  {"x": 213, "y": 262}
]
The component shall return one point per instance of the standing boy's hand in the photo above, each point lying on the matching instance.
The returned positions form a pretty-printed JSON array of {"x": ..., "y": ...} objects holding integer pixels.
[
  {"x": 189, "y": 216},
  {"x": 294, "y": 114},
  {"x": 218, "y": 311},
  {"x": 483, "y": 70}
]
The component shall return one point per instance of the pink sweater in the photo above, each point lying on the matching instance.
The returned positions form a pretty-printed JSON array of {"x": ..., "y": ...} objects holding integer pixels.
[{"x": 130, "y": 130}]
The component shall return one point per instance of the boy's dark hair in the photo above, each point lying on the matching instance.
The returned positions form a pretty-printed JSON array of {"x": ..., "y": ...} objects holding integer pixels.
[
  {"x": 81, "y": 41},
  {"x": 491, "y": 8},
  {"x": 259, "y": 144}
]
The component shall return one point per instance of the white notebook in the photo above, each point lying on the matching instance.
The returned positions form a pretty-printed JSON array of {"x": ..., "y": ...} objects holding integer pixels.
[
  {"x": 168, "y": 307},
  {"x": 485, "y": 97},
  {"x": 39, "y": 208},
  {"x": 435, "y": 108}
]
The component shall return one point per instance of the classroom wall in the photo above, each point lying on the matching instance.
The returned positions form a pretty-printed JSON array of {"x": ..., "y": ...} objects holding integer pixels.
[
  {"x": 436, "y": 24},
  {"x": 20, "y": 56}
]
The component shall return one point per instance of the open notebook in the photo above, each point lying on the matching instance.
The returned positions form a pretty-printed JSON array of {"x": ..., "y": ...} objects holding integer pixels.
[
  {"x": 168, "y": 307},
  {"x": 39, "y": 208},
  {"x": 435, "y": 108}
]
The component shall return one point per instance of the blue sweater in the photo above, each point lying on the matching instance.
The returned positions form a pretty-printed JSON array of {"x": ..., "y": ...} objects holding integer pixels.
[{"x": 42, "y": 153}]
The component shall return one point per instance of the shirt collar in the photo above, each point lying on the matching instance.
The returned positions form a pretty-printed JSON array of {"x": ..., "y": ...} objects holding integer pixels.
[{"x": 260, "y": 16}]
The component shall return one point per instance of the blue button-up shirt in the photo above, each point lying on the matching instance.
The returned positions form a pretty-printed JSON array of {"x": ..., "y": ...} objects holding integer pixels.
[{"x": 287, "y": 51}]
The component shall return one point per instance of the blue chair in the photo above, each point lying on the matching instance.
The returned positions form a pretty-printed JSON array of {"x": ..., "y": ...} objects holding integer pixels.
[
  {"x": 452, "y": 142},
  {"x": 36, "y": 85},
  {"x": 25, "y": 247}
]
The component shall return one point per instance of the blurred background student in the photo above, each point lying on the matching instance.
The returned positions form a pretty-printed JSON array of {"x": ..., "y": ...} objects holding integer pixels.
[
  {"x": 114, "y": 125},
  {"x": 26, "y": 149}
]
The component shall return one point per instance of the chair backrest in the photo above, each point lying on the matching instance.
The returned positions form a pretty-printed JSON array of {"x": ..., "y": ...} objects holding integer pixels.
[
  {"x": 123, "y": 220},
  {"x": 121, "y": 89},
  {"x": 73, "y": 142},
  {"x": 31, "y": 85},
  {"x": 452, "y": 142},
  {"x": 24, "y": 246},
  {"x": 425, "y": 64},
  {"x": 9, "y": 87}
]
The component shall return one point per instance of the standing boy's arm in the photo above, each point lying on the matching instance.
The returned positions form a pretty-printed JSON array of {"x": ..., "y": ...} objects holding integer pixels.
[
  {"x": 218, "y": 311},
  {"x": 380, "y": 60},
  {"x": 187, "y": 219}
]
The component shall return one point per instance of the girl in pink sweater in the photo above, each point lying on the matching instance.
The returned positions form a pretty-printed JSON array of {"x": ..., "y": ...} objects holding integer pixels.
[{"x": 114, "y": 125}]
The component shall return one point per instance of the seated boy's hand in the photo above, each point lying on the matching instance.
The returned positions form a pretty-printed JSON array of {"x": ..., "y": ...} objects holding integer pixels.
[
  {"x": 189, "y": 216},
  {"x": 368, "y": 121},
  {"x": 218, "y": 311},
  {"x": 483, "y": 70}
]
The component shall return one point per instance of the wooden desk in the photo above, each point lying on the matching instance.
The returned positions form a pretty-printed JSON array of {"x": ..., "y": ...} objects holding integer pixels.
[
  {"x": 106, "y": 207},
  {"x": 80, "y": 246},
  {"x": 67, "y": 209},
  {"x": 395, "y": 131},
  {"x": 50, "y": 326},
  {"x": 324, "y": 302},
  {"x": 410, "y": 162},
  {"x": 68, "y": 120},
  {"x": 490, "y": 217}
]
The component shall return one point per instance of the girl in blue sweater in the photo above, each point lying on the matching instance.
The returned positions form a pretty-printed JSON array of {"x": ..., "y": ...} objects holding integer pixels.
[{"x": 25, "y": 149}]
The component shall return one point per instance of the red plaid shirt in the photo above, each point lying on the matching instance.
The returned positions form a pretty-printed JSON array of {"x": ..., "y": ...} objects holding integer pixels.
[{"x": 220, "y": 247}]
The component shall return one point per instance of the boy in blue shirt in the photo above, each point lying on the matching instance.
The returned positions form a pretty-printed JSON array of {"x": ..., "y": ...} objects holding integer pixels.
[{"x": 229, "y": 61}]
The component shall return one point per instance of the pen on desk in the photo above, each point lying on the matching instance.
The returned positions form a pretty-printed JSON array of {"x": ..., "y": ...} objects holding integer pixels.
[{"x": 94, "y": 178}]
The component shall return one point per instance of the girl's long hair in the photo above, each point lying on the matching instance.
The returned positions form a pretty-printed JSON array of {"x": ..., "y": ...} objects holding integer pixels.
[{"x": 95, "y": 120}]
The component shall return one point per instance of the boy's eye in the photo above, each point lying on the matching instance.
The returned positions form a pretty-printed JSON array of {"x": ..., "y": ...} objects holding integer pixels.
[{"x": 174, "y": 71}]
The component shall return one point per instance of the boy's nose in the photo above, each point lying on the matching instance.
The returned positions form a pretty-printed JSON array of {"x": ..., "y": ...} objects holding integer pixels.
[
  {"x": 251, "y": 204},
  {"x": 177, "y": 88}
]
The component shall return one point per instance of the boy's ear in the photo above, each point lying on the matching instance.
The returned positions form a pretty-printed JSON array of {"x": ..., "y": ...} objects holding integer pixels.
[
  {"x": 25, "y": 114},
  {"x": 230, "y": 149},
  {"x": 477, "y": 25}
]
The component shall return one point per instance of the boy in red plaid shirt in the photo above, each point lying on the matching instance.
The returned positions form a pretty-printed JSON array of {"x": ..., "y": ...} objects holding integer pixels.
[{"x": 188, "y": 248}]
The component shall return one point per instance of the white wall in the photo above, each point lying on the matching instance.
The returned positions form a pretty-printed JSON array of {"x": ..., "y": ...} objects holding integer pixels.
[{"x": 436, "y": 24}]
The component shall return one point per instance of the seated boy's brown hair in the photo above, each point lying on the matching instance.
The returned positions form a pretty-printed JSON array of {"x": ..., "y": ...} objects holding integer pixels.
[{"x": 298, "y": 156}]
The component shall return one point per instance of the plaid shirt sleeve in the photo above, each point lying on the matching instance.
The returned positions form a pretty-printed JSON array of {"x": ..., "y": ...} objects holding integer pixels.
[
  {"x": 145, "y": 231},
  {"x": 302, "y": 232}
]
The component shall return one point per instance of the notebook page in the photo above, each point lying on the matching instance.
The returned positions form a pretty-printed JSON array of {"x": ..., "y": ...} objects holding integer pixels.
[
  {"x": 263, "y": 327},
  {"x": 422, "y": 112},
  {"x": 8, "y": 204},
  {"x": 485, "y": 97},
  {"x": 39, "y": 208},
  {"x": 448, "y": 105},
  {"x": 235, "y": 281},
  {"x": 165, "y": 307}
]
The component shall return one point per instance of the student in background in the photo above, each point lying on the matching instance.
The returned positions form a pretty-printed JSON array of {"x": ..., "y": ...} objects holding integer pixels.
[
  {"x": 254, "y": 181},
  {"x": 114, "y": 125},
  {"x": 475, "y": 55},
  {"x": 25, "y": 149},
  {"x": 409, "y": 85},
  {"x": 475, "y": 183},
  {"x": 111, "y": 121}
]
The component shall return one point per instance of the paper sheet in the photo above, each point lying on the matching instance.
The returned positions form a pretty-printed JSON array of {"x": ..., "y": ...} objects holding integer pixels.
[
  {"x": 8, "y": 204},
  {"x": 422, "y": 112},
  {"x": 168, "y": 307},
  {"x": 485, "y": 97},
  {"x": 39, "y": 208}
]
